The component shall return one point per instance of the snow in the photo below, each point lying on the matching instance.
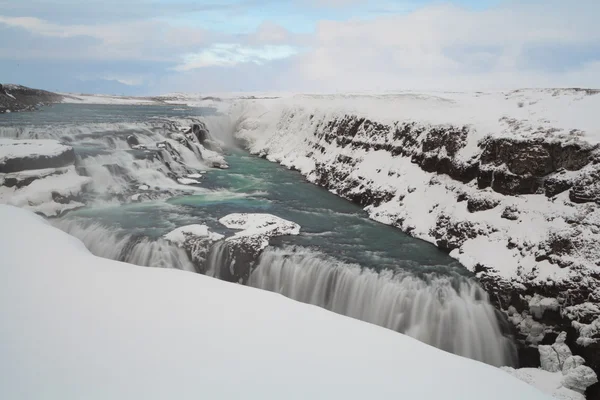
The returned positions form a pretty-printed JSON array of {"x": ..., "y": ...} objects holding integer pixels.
[
  {"x": 38, "y": 195},
  {"x": 561, "y": 375},
  {"x": 588, "y": 332},
  {"x": 179, "y": 235},
  {"x": 187, "y": 181},
  {"x": 78, "y": 326},
  {"x": 538, "y": 305},
  {"x": 257, "y": 229},
  {"x": 259, "y": 224},
  {"x": 547, "y": 382},
  {"x": 11, "y": 149}
]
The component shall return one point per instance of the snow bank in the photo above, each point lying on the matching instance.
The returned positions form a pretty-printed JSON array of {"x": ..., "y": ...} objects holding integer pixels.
[
  {"x": 47, "y": 191},
  {"x": 256, "y": 229},
  {"x": 179, "y": 235},
  {"x": 78, "y": 326},
  {"x": 15, "y": 155}
]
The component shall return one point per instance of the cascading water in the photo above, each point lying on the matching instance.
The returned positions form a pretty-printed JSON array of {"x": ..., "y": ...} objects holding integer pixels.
[
  {"x": 110, "y": 243},
  {"x": 451, "y": 314}
]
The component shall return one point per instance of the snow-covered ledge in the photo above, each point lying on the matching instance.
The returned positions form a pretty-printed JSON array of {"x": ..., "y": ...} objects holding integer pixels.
[{"x": 77, "y": 326}]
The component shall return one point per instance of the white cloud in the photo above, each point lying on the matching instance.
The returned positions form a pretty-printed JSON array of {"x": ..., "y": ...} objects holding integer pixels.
[
  {"x": 231, "y": 54},
  {"x": 519, "y": 43},
  {"x": 450, "y": 47},
  {"x": 133, "y": 40}
]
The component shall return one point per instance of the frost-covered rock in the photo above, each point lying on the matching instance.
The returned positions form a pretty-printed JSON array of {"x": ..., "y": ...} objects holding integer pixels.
[
  {"x": 182, "y": 234},
  {"x": 21, "y": 98},
  {"x": 588, "y": 332},
  {"x": 552, "y": 358},
  {"x": 49, "y": 191},
  {"x": 241, "y": 251},
  {"x": 196, "y": 240},
  {"x": 558, "y": 358},
  {"x": 264, "y": 225},
  {"x": 571, "y": 363},
  {"x": 579, "y": 378},
  {"x": 548, "y": 382},
  {"x": 538, "y": 305},
  {"x": 562, "y": 349},
  {"x": 549, "y": 359}
]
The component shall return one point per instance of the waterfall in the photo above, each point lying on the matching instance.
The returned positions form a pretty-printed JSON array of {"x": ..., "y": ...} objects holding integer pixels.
[
  {"x": 111, "y": 243},
  {"x": 450, "y": 313},
  {"x": 119, "y": 169}
]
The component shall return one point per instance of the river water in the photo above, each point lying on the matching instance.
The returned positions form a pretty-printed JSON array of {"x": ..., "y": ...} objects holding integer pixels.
[{"x": 341, "y": 261}]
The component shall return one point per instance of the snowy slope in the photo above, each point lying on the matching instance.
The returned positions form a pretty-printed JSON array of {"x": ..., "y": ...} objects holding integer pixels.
[{"x": 77, "y": 326}]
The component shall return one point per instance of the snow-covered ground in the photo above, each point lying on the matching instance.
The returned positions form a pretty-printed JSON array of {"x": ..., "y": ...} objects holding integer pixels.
[{"x": 78, "y": 326}]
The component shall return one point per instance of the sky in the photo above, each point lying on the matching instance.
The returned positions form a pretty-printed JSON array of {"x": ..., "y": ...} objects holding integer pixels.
[{"x": 145, "y": 47}]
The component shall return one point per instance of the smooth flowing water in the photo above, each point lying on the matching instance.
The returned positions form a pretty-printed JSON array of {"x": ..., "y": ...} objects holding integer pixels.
[{"x": 341, "y": 261}]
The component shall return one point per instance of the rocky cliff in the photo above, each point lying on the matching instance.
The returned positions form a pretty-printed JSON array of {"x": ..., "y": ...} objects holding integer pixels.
[{"x": 508, "y": 183}]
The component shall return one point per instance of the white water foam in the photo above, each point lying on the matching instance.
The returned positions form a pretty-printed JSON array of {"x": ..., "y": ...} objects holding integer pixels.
[{"x": 452, "y": 314}]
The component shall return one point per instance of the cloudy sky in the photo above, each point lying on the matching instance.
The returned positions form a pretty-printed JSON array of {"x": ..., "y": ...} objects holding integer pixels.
[{"x": 161, "y": 46}]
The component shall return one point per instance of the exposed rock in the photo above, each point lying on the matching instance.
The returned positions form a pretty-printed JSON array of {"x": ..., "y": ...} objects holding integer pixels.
[
  {"x": 20, "y": 155},
  {"x": 20, "y": 98},
  {"x": 132, "y": 141},
  {"x": 571, "y": 363},
  {"x": 579, "y": 378},
  {"x": 511, "y": 213},
  {"x": 556, "y": 184},
  {"x": 240, "y": 252},
  {"x": 562, "y": 349},
  {"x": 549, "y": 359},
  {"x": 481, "y": 203},
  {"x": 587, "y": 190},
  {"x": 196, "y": 240}
]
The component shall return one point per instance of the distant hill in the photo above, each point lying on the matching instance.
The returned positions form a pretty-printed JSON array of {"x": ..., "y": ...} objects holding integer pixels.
[{"x": 21, "y": 98}]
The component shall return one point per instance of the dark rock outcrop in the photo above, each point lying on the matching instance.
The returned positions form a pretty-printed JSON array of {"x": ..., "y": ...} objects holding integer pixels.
[
  {"x": 15, "y": 164},
  {"x": 510, "y": 166},
  {"x": 14, "y": 98}
]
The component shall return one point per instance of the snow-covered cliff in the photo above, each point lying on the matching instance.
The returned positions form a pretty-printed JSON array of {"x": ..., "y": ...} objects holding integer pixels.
[{"x": 509, "y": 183}]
